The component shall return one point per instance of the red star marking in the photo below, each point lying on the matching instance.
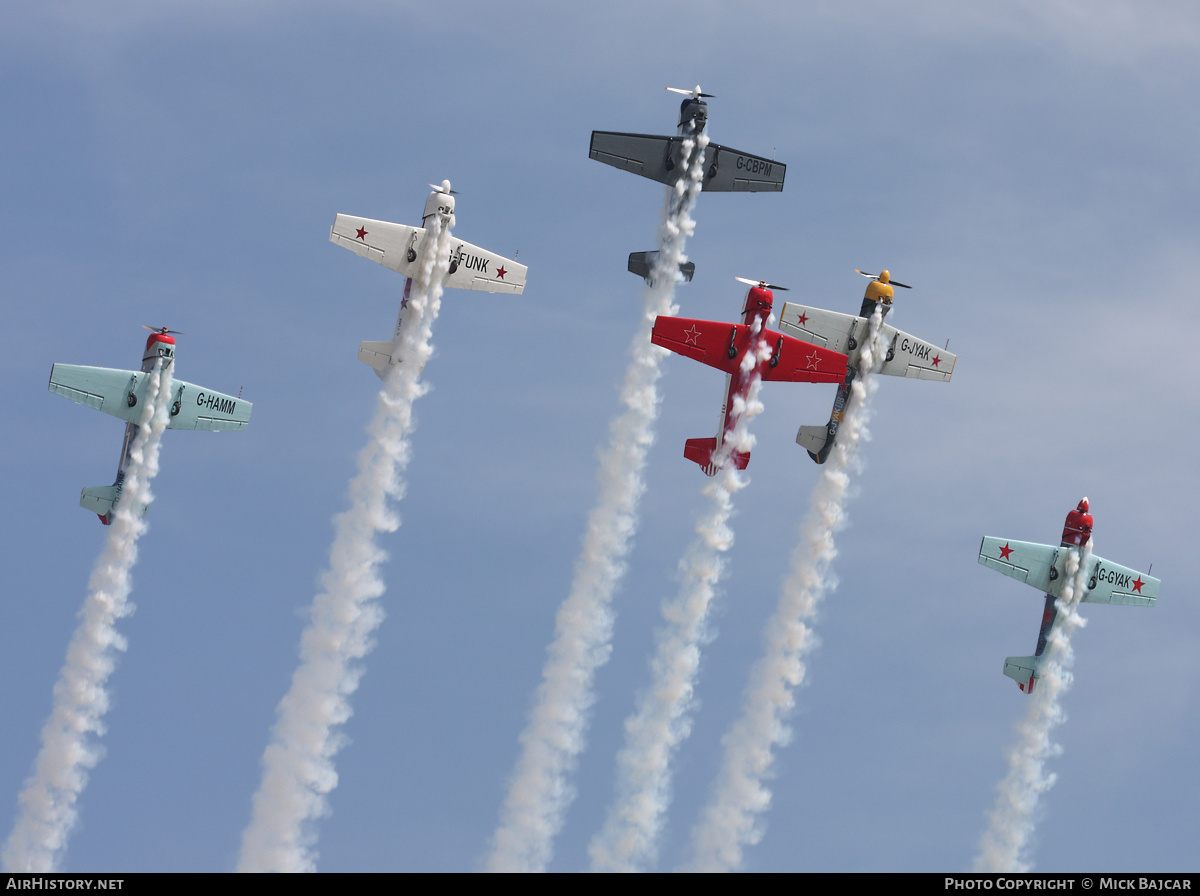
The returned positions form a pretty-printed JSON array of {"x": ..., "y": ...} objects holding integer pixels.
[
  {"x": 803, "y": 318},
  {"x": 1137, "y": 584},
  {"x": 936, "y": 360},
  {"x": 813, "y": 360},
  {"x": 500, "y": 272},
  {"x": 362, "y": 233},
  {"x": 692, "y": 335},
  {"x": 404, "y": 302},
  {"x": 1005, "y": 551}
]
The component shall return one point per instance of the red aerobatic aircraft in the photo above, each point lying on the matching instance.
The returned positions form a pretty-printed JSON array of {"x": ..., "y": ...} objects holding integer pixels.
[{"x": 744, "y": 351}]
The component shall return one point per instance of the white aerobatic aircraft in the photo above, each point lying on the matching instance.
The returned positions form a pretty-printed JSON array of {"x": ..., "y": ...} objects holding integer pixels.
[{"x": 398, "y": 246}]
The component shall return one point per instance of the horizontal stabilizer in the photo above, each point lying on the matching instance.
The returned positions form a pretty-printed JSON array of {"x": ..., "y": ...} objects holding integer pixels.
[
  {"x": 100, "y": 499},
  {"x": 816, "y": 441},
  {"x": 1022, "y": 670},
  {"x": 700, "y": 451},
  {"x": 812, "y": 438},
  {"x": 642, "y": 264},
  {"x": 376, "y": 354}
]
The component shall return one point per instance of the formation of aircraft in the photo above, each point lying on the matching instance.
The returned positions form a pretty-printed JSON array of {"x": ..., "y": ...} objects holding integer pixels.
[
  {"x": 398, "y": 246},
  {"x": 906, "y": 355},
  {"x": 1044, "y": 567},
  {"x": 123, "y": 393},
  {"x": 658, "y": 158},
  {"x": 744, "y": 351},
  {"x": 812, "y": 345}
]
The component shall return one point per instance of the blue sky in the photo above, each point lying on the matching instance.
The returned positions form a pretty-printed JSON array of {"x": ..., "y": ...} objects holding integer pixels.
[{"x": 1029, "y": 168}]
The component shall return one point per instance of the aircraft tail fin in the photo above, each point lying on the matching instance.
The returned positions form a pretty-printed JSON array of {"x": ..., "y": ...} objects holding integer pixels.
[
  {"x": 100, "y": 500},
  {"x": 700, "y": 451},
  {"x": 378, "y": 355},
  {"x": 815, "y": 440},
  {"x": 1022, "y": 670}
]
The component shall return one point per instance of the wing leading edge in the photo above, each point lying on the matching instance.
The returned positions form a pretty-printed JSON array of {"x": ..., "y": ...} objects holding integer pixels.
[
  {"x": 659, "y": 158},
  {"x": 397, "y": 246},
  {"x": 710, "y": 342},
  {"x": 1044, "y": 567},
  {"x": 907, "y": 355},
  {"x": 122, "y": 394}
]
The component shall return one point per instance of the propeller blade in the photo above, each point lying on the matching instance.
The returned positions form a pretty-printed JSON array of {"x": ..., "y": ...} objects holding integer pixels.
[
  {"x": 163, "y": 330},
  {"x": 695, "y": 93},
  {"x": 876, "y": 277},
  {"x": 761, "y": 284}
]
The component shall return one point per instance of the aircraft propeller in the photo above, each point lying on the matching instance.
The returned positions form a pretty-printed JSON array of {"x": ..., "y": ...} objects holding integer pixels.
[
  {"x": 444, "y": 187},
  {"x": 882, "y": 279},
  {"x": 694, "y": 94},
  {"x": 761, "y": 284},
  {"x": 162, "y": 331}
]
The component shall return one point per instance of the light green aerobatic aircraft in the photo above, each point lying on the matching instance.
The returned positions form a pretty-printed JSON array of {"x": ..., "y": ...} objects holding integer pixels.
[
  {"x": 1045, "y": 568},
  {"x": 123, "y": 394}
]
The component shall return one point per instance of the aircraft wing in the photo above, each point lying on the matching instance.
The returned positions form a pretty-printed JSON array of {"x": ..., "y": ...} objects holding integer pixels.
[
  {"x": 1045, "y": 568},
  {"x": 1039, "y": 565},
  {"x": 907, "y": 355},
  {"x": 109, "y": 390},
  {"x": 733, "y": 171},
  {"x": 803, "y": 362},
  {"x": 475, "y": 268},
  {"x": 102, "y": 388},
  {"x": 659, "y": 158},
  {"x": 644, "y": 154},
  {"x": 194, "y": 407},
  {"x": 1110, "y": 583},
  {"x": 394, "y": 246},
  {"x": 708, "y": 341}
]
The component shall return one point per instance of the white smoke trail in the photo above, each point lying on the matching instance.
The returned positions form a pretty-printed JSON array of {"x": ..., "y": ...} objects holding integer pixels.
[
  {"x": 539, "y": 791},
  {"x": 628, "y": 840},
  {"x": 1005, "y": 845},
  {"x": 298, "y": 769},
  {"x": 730, "y": 822},
  {"x": 38, "y": 841}
]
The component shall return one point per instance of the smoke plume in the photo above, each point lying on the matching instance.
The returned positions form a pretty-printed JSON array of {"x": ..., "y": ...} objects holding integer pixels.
[
  {"x": 539, "y": 791},
  {"x": 663, "y": 720},
  {"x": 731, "y": 821},
  {"x": 1005, "y": 845},
  {"x": 298, "y": 769},
  {"x": 69, "y": 750}
]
